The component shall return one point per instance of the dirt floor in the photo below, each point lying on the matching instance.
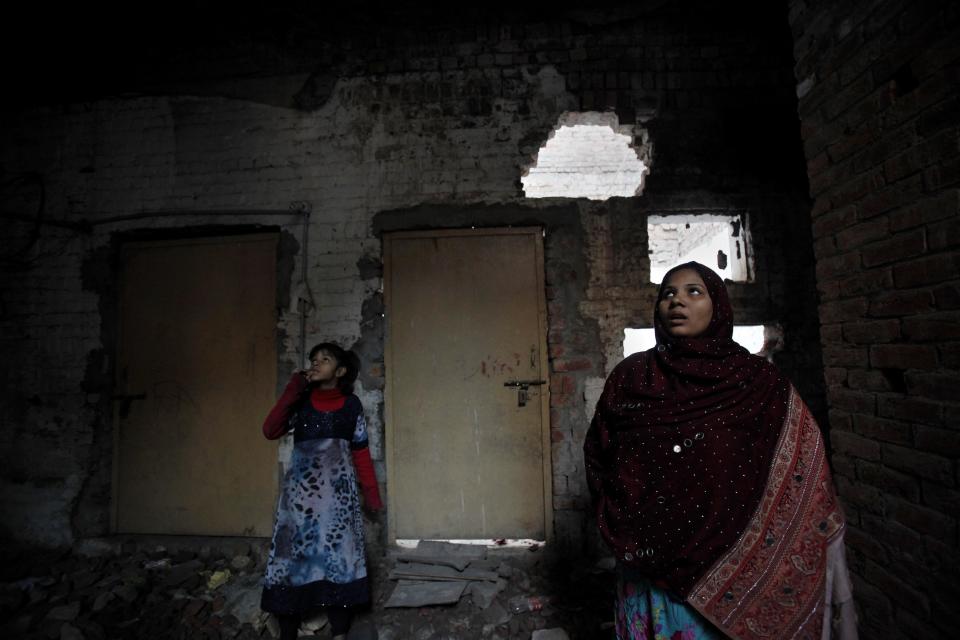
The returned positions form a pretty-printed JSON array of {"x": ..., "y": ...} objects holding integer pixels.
[{"x": 181, "y": 588}]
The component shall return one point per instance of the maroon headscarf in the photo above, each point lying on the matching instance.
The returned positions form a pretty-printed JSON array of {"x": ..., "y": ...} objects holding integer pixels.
[{"x": 678, "y": 451}]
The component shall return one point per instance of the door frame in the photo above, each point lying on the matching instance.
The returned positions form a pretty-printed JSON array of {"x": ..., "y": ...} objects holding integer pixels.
[{"x": 537, "y": 234}]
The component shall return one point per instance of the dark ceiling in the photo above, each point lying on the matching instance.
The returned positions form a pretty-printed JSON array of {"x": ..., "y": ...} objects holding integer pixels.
[{"x": 81, "y": 51}]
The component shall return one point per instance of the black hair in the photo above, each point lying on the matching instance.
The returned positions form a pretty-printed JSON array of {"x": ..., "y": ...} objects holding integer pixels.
[{"x": 346, "y": 359}]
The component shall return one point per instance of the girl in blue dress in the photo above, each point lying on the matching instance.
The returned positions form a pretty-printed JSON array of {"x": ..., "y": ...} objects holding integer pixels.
[{"x": 316, "y": 559}]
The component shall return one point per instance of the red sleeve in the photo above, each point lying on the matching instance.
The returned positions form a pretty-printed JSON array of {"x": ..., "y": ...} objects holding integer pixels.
[
  {"x": 277, "y": 422},
  {"x": 367, "y": 477}
]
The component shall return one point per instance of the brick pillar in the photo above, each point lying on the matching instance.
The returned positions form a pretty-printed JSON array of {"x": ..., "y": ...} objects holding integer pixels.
[{"x": 877, "y": 88}]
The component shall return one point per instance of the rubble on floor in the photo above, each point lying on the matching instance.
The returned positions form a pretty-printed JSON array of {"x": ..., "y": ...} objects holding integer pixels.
[{"x": 182, "y": 590}]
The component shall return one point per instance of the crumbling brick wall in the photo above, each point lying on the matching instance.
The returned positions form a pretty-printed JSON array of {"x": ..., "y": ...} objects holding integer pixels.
[
  {"x": 394, "y": 120},
  {"x": 877, "y": 84}
]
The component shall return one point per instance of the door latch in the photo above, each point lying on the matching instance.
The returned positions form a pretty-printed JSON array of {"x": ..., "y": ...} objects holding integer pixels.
[
  {"x": 125, "y": 400},
  {"x": 522, "y": 387}
]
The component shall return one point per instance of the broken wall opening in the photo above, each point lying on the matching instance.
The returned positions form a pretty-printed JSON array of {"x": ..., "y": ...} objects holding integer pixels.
[
  {"x": 758, "y": 339},
  {"x": 718, "y": 241},
  {"x": 589, "y": 155}
]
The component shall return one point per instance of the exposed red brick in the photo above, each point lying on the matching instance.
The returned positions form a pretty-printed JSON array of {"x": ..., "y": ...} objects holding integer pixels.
[
  {"x": 831, "y": 333},
  {"x": 843, "y": 310},
  {"x": 944, "y": 235},
  {"x": 945, "y": 442},
  {"x": 840, "y": 420},
  {"x": 892, "y": 196},
  {"x": 943, "y": 499},
  {"x": 843, "y": 465},
  {"x": 833, "y": 221},
  {"x": 854, "y": 445},
  {"x": 918, "y": 463},
  {"x": 818, "y": 164},
  {"x": 856, "y": 189},
  {"x": 947, "y": 296},
  {"x": 849, "y": 144},
  {"x": 939, "y": 327},
  {"x": 949, "y": 354},
  {"x": 863, "y": 233},
  {"x": 945, "y": 174},
  {"x": 837, "y": 265},
  {"x": 838, "y": 356},
  {"x": 903, "y": 356},
  {"x": 902, "y": 245},
  {"x": 834, "y": 375},
  {"x": 579, "y": 364},
  {"x": 927, "y": 270},
  {"x": 922, "y": 519},
  {"x": 900, "y": 303},
  {"x": 871, "y": 331},
  {"x": 938, "y": 386},
  {"x": 931, "y": 209},
  {"x": 867, "y": 380},
  {"x": 903, "y": 165},
  {"x": 909, "y": 408},
  {"x": 883, "y": 429},
  {"x": 888, "y": 480},
  {"x": 866, "y": 281},
  {"x": 859, "y": 495},
  {"x": 852, "y": 401}
]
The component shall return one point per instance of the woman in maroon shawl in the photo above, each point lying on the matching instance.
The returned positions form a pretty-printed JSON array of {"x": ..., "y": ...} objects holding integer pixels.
[{"x": 710, "y": 484}]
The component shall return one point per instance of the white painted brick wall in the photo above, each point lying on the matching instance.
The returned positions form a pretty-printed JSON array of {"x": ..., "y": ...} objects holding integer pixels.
[{"x": 126, "y": 156}]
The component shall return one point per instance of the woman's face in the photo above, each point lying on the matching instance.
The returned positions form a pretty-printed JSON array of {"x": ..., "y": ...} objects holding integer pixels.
[{"x": 685, "y": 307}]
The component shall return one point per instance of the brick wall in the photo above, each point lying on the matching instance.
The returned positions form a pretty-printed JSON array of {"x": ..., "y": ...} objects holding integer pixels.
[
  {"x": 877, "y": 84},
  {"x": 389, "y": 122}
]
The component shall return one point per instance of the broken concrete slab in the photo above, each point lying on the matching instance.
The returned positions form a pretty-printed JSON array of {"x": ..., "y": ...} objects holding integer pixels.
[
  {"x": 64, "y": 613},
  {"x": 422, "y": 593},
  {"x": 496, "y": 614},
  {"x": 483, "y": 593},
  {"x": 181, "y": 573},
  {"x": 449, "y": 561},
  {"x": 421, "y": 571}
]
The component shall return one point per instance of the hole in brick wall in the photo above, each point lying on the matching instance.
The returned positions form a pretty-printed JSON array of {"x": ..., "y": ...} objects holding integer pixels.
[
  {"x": 720, "y": 242},
  {"x": 903, "y": 81},
  {"x": 895, "y": 379},
  {"x": 761, "y": 340},
  {"x": 588, "y": 155}
]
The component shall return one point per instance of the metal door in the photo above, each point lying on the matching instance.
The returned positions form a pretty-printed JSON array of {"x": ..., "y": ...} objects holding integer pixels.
[
  {"x": 465, "y": 319},
  {"x": 196, "y": 376}
]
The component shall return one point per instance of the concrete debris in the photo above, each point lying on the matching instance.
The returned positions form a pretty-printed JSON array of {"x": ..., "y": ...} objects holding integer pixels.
[
  {"x": 70, "y": 632},
  {"x": 422, "y": 593},
  {"x": 64, "y": 613},
  {"x": 423, "y": 571},
  {"x": 137, "y": 590},
  {"x": 241, "y": 563}
]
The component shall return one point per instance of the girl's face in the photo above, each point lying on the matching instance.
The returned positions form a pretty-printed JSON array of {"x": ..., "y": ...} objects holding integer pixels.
[
  {"x": 325, "y": 370},
  {"x": 685, "y": 307}
]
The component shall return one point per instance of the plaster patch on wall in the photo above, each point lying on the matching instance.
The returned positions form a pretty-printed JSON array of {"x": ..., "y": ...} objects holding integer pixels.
[{"x": 592, "y": 388}]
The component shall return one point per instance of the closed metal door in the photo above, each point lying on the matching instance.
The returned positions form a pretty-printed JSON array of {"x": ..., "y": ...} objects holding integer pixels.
[
  {"x": 465, "y": 327},
  {"x": 196, "y": 376}
]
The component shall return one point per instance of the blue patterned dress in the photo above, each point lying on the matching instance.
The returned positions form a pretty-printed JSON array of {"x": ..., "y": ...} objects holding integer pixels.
[
  {"x": 647, "y": 612},
  {"x": 317, "y": 553}
]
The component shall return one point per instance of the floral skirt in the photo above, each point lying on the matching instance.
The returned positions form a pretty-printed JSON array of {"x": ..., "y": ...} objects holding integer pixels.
[{"x": 646, "y": 612}]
